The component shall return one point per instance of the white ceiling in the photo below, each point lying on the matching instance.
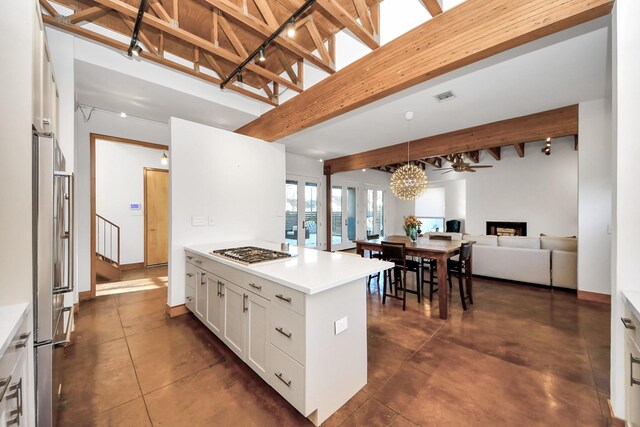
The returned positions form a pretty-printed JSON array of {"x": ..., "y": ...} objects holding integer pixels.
[{"x": 559, "y": 70}]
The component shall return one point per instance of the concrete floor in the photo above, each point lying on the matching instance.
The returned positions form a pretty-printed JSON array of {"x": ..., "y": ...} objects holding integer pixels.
[{"x": 520, "y": 356}]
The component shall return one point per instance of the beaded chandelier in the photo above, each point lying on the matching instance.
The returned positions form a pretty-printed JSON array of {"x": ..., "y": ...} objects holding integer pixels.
[{"x": 409, "y": 181}]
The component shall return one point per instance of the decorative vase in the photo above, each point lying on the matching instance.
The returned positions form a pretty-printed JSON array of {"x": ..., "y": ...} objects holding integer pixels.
[{"x": 413, "y": 233}]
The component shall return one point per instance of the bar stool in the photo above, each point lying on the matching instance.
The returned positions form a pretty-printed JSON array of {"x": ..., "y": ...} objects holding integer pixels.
[
  {"x": 460, "y": 267},
  {"x": 396, "y": 253},
  {"x": 374, "y": 255}
]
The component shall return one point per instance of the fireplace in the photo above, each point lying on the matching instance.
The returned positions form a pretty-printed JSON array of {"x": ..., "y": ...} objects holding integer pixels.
[{"x": 506, "y": 228}]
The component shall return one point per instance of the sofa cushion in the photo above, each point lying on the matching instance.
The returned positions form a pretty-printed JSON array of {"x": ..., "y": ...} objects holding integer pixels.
[
  {"x": 482, "y": 240},
  {"x": 564, "y": 269},
  {"x": 559, "y": 243},
  {"x": 519, "y": 242},
  {"x": 522, "y": 265}
]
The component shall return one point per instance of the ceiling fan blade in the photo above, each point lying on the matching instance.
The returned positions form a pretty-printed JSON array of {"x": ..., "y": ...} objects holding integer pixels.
[
  {"x": 482, "y": 166},
  {"x": 443, "y": 169},
  {"x": 470, "y": 170}
]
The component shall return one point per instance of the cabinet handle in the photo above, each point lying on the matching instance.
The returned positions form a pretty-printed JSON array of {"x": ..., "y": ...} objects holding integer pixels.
[
  {"x": 286, "y": 334},
  {"x": 189, "y": 298},
  {"x": 14, "y": 420},
  {"x": 189, "y": 257},
  {"x": 287, "y": 299},
  {"x": 198, "y": 261},
  {"x": 189, "y": 274},
  {"x": 24, "y": 337},
  {"x": 632, "y": 361},
  {"x": 4, "y": 384},
  {"x": 202, "y": 281},
  {"x": 279, "y": 375},
  {"x": 17, "y": 389},
  {"x": 221, "y": 289},
  {"x": 628, "y": 324},
  {"x": 245, "y": 297},
  {"x": 254, "y": 286}
]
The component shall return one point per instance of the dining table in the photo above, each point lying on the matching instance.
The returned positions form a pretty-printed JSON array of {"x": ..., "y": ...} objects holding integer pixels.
[{"x": 425, "y": 247}]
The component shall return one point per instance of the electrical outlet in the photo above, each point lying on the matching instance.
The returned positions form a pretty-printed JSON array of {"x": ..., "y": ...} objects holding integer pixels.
[
  {"x": 341, "y": 325},
  {"x": 198, "y": 221}
]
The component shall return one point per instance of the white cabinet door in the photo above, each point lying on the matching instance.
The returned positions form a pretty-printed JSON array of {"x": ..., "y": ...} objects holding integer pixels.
[
  {"x": 257, "y": 333},
  {"x": 633, "y": 383},
  {"x": 201, "y": 294},
  {"x": 215, "y": 307},
  {"x": 234, "y": 318}
]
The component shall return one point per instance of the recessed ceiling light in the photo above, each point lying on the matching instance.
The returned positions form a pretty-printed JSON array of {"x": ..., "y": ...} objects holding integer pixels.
[
  {"x": 364, "y": 170},
  {"x": 123, "y": 115},
  {"x": 408, "y": 115},
  {"x": 320, "y": 160}
]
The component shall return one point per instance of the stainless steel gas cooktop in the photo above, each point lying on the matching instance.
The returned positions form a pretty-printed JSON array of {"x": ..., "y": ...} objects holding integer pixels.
[{"x": 250, "y": 254}]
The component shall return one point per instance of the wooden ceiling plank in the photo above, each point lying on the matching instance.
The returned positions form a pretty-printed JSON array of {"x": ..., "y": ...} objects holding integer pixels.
[
  {"x": 159, "y": 24},
  {"x": 333, "y": 8},
  {"x": 162, "y": 13},
  {"x": 519, "y": 149},
  {"x": 47, "y": 6},
  {"x": 87, "y": 14},
  {"x": 145, "y": 40},
  {"x": 90, "y": 35},
  {"x": 284, "y": 61},
  {"x": 255, "y": 25},
  {"x": 473, "y": 30},
  {"x": 363, "y": 14},
  {"x": 433, "y": 7},
  {"x": 535, "y": 127},
  {"x": 317, "y": 40},
  {"x": 267, "y": 14},
  {"x": 495, "y": 152}
]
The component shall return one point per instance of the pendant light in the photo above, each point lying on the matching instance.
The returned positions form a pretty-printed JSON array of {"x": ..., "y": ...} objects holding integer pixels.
[{"x": 409, "y": 181}]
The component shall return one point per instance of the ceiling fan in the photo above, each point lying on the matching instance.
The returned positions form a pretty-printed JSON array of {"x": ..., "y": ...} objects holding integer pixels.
[{"x": 459, "y": 165}]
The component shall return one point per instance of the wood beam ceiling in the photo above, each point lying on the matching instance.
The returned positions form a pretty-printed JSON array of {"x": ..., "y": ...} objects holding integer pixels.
[
  {"x": 433, "y": 7},
  {"x": 473, "y": 30},
  {"x": 340, "y": 14},
  {"x": 535, "y": 127}
]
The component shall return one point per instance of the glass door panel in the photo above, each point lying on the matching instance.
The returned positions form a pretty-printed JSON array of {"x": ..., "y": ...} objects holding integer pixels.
[
  {"x": 291, "y": 213},
  {"x": 369, "y": 215},
  {"x": 380, "y": 212},
  {"x": 336, "y": 215},
  {"x": 311, "y": 214},
  {"x": 351, "y": 214}
]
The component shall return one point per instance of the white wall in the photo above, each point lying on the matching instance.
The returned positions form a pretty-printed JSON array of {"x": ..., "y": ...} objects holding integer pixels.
[
  {"x": 625, "y": 268},
  {"x": 109, "y": 124},
  {"x": 537, "y": 189},
  {"x": 455, "y": 195},
  {"x": 594, "y": 197},
  {"x": 237, "y": 180},
  {"x": 120, "y": 182}
]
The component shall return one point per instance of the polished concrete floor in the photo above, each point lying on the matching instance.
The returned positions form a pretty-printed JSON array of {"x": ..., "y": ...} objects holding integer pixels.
[
  {"x": 135, "y": 280},
  {"x": 521, "y": 356}
]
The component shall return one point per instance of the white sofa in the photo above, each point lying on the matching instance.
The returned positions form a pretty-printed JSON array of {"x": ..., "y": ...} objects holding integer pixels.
[{"x": 539, "y": 260}]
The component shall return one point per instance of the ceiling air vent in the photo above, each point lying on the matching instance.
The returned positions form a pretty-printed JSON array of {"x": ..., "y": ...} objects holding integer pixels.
[{"x": 444, "y": 96}]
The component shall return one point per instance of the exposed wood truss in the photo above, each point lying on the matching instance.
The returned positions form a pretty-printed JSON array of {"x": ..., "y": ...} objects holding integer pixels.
[
  {"x": 215, "y": 36},
  {"x": 517, "y": 131},
  {"x": 433, "y": 7},
  {"x": 469, "y": 32}
]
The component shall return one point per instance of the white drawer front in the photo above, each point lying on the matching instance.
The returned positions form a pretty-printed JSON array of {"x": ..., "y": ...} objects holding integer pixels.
[
  {"x": 632, "y": 325},
  {"x": 190, "y": 298},
  {"x": 194, "y": 259},
  {"x": 257, "y": 285},
  {"x": 289, "y": 298},
  {"x": 287, "y": 332},
  {"x": 287, "y": 378}
]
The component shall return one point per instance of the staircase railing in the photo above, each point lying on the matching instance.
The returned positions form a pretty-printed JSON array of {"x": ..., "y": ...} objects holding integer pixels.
[{"x": 107, "y": 239}]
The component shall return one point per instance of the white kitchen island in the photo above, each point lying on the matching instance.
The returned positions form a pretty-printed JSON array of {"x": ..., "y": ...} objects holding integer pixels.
[{"x": 300, "y": 323}]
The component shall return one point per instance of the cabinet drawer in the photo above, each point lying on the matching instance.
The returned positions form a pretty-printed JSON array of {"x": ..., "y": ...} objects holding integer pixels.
[
  {"x": 190, "y": 298},
  {"x": 289, "y": 298},
  {"x": 287, "y": 378},
  {"x": 257, "y": 285},
  {"x": 287, "y": 332},
  {"x": 632, "y": 325},
  {"x": 194, "y": 259}
]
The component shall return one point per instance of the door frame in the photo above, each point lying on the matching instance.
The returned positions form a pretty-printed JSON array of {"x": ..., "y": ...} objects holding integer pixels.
[
  {"x": 145, "y": 209},
  {"x": 344, "y": 206},
  {"x": 302, "y": 180},
  {"x": 91, "y": 293}
]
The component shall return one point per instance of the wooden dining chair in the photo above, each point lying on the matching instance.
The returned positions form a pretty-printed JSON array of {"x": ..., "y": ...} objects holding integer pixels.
[
  {"x": 460, "y": 267},
  {"x": 374, "y": 255},
  {"x": 396, "y": 253}
]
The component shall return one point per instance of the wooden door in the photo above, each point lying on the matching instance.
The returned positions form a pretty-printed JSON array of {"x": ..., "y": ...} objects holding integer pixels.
[{"x": 156, "y": 216}]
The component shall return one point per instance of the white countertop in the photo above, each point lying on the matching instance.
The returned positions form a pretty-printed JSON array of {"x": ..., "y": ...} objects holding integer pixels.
[
  {"x": 633, "y": 298},
  {"x": 11, "y": 317},
  {"x": 310, "y": 271}
]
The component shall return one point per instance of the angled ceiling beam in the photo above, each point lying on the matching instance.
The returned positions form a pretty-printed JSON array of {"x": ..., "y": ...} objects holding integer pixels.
[
  {"x": 469, "y": 32},
  {"x": 340, "y": 14},
  {"x": 162, "y": 13},
  {"x": 87, "y": 14},
  {"x": 161, "y": 25},
  {"x": 535, "y": 127},
  {"x": 495, "y": 152},
  {"x": 258, "y": 27},
  {"x": 433, "y": 7},
  {"x": 90, "y": 35},
  {"x": 47, "y": 6},
  {"x": 519, "y": 149}
]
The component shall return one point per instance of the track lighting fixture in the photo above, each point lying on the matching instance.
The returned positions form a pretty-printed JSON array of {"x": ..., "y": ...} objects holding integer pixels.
[
  {"x": 547, "y": 148},
  {"x": 261, "y": 56},
  {"x": 291, "y": 28},
  {"x": 136, "y": 50},
  {"x": 239, "y": 77}
]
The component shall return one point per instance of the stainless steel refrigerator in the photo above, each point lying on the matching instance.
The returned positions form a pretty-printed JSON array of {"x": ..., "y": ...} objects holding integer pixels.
[{"x": 52, "y": 268}]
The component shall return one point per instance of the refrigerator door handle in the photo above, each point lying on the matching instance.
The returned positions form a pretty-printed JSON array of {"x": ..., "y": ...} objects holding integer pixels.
[
  {"x": 67, "y": 233},
  {"x": 67, "y": 333}
]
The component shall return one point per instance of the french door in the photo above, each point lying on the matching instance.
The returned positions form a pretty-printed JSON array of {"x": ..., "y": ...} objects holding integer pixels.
[
  {"x": 344, "y": 222},
  {"x": 375, "y": 212},
  {"x": 301, "y": 212}
]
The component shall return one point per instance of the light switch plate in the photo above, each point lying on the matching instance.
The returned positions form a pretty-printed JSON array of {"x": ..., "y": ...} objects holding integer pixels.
[
  {"x": 212, "y": 221},
  {"x": 341, "y": 325},
  {"x": 198, "y": 221}
]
